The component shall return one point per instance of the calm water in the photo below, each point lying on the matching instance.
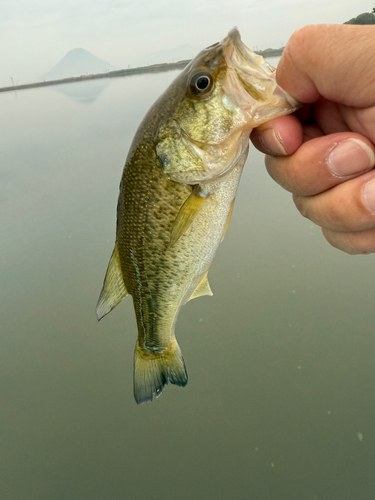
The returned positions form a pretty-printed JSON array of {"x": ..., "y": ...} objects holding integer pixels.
[{"x": 280, "y": 359}]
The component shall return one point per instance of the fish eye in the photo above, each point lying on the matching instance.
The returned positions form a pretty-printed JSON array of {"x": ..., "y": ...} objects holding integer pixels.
[{"x": 201, "y": 83}]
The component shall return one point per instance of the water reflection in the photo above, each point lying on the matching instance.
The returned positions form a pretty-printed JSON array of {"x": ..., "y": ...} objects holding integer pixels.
[
  {"x": 85, "y": 94},
  {"x": 280, "y": 359}
]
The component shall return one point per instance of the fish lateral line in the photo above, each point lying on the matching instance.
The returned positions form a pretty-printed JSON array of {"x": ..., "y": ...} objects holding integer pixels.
[{"x": 189, "y": 148}]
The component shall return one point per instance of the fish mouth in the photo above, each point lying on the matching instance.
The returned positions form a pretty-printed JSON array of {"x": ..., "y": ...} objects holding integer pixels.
[
  {"x": 250, "y": 80},
  {"x": 242, "y": 57},
  {"x": 254, "y": 73}
]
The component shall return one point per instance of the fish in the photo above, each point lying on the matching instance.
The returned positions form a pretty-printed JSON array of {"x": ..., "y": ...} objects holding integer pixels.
[{"x": 177, "y": 194}]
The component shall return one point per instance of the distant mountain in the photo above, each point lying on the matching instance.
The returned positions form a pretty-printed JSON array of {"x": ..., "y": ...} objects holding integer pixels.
[
  {"x": 365, "y": 18},
  {"x": 78, "y": 62},
  {"x": 167, "y": 56}
]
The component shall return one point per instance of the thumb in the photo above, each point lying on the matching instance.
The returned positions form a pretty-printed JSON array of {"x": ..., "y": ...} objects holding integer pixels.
[{"x": 330, "y": 60}]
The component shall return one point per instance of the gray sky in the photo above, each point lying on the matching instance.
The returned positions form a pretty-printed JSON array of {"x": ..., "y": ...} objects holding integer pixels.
[{"x": 36, "y": 34}]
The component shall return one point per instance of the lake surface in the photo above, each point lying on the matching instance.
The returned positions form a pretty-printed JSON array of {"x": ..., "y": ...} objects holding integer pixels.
[{"x": 280, "y": 403}]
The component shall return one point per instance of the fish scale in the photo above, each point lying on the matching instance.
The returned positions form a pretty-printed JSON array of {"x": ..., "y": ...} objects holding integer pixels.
[{"x": 176, "y": 197}]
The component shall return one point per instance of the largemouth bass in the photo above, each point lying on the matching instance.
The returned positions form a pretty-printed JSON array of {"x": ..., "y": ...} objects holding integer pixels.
[{"x": 177, "y": 194}]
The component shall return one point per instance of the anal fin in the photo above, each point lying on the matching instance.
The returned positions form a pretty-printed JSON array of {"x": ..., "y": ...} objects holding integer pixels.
[
  {"x": 114, "y": 290},
  {"x": 203, "y": 288}
]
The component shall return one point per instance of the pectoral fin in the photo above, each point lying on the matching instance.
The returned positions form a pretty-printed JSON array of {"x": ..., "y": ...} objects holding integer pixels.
[
  {"x": 187, "y": 214},
  {"x": 114, "y": 290},
  {"x": 203, "y": 288}
]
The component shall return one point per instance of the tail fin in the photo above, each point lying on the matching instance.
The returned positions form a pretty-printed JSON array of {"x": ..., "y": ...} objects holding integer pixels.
[{"x": 153, "y": 370}]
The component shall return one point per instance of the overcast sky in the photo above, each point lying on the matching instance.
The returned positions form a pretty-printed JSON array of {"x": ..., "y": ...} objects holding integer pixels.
[{"x": 36, "y": 34}]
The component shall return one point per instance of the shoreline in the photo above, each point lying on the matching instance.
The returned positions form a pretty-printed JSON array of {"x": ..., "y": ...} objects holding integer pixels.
[{"x": 154, "y": 68}]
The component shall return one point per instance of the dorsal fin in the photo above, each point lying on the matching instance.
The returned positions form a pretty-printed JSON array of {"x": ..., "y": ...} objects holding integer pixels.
[
  {"x": 114, "y": 290},
  {"x": 203, "y": 288},
  {"x": 187, "y": 214}
]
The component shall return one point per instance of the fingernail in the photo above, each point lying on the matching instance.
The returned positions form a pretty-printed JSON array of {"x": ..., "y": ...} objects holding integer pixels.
[
  {"x": 369, "y": 195},
  {"x": 271, "y": 142},
  {"x": 350, "y": 157}
]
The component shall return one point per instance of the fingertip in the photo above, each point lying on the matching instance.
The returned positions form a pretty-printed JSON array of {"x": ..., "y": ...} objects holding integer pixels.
[
  {"x": 350, "y": 157},
  {"x": 288, "y": 129},
  {"x": 279, "y": 137},
  {"x": 272, "y": 142},
  {"x": 352, "y": 243}
]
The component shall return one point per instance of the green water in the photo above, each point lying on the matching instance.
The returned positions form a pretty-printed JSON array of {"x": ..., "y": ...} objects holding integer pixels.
[{"x": 280, "y": 359}]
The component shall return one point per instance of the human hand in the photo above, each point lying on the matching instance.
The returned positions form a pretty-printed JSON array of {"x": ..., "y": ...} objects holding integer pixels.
[{"x": 325, "y": 154}]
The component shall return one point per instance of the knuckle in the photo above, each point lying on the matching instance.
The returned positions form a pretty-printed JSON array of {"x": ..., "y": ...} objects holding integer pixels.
[
  {"x": 283, "y": 171},
  {"x": 336, "y": 215},
  {"x": 297, "y": 41},
  {"x": 300, "y": 185},
  {"x": 299, "y": 202},
  {"x": 270, "y": 163},
  {"x": 345, "y": 211}
]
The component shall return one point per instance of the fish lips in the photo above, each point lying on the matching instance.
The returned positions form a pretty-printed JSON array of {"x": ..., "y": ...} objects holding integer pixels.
[{"x": 250, "y": 83}]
